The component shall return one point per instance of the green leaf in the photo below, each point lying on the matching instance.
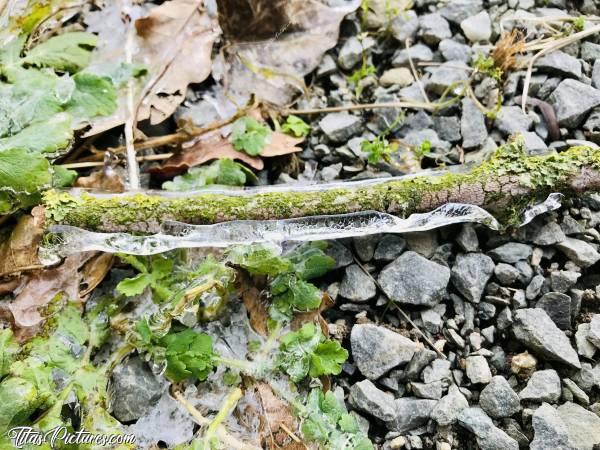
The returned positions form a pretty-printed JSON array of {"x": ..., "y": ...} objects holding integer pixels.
[
  {"x": 63, "y": 177},
  {"x": 294, "y": 125},
  {"x": 310, "y": 260},
  {"x": 69, "y": 52},
  {"x": 249, "y": 135},
  {"x": 134, "y": 286},
  {"x": 327, "y": 359},
  {"x": 49, "y": 136},
  {"x": 17, "y": 402},
  {"x": 292, "y": 294},
  {"x": 93, "y": 96},
  {"x": 22, "y": 175},
  {"x": 188, "y": 354},
  {"x": 258, "y": 259},
  {"x": 8, "y": 350},
  {"x": 222, "y": 171},
  {"x": 307, "y": 352}
]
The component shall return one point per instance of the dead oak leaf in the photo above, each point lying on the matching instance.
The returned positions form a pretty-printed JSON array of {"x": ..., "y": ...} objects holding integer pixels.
[{"x": 20, "y": 250}]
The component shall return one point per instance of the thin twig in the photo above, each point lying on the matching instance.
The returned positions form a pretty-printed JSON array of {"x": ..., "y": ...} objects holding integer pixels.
[
  {"x": 393, "y": 303},
  {"x": 414, "y": 71},
  {"x": 132, "y": 165},
  {"x": 363, "y": 106}
]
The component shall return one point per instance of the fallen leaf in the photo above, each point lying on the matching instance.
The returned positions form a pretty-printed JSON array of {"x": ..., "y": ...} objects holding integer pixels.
[
  {"x": 281, "y": 144},
  {"x": 20, "y": 250},
  {"x": 106, "y": 179},
  {"x": 204, "y": 150},
  {"x": 173, "y": 42},
  {"x": 276, "y": 414},
  {"x": 94, "y": 271},
  {"x": 300, "y": 318},
  {"x": 295, "y": 35}
]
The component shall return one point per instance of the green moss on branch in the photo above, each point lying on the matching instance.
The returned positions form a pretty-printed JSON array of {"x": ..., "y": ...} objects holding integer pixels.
[{"x": 501, "y": 185}]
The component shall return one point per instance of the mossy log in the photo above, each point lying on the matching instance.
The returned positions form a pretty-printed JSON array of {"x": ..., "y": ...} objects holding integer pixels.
[{"x": 504, "y": 186}]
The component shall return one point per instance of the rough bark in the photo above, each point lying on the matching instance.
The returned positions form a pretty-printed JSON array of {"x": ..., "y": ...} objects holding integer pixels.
[{"x": 504, "y": 186}]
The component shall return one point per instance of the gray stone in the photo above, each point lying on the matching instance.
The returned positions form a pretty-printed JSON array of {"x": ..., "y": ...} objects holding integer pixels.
[
  {"x": 340, "y": 253},
  {"x": 400, "y": 76},
  {"x": 478, "y": 27},
  {"x": 570, "y": 226},
  {"x": 339, "y": 127},
  {"x": 536, "y": 331},
  {"x": 137, "y": 390},
  {"x": 584, "y": 346},
  {"x": 417, "y": 137},
  {"x": 467, "y": 238},
  {"x": 550, "y": 430},
  {"x": 472, "y": 125},
  {"x": 572, "y": 100},
  {"x": 411, "y": 413},
  {"x": 389, "y": 248},
  {"x": 356, "y": 285},
  {"x": 365, "y": 246},
  {"x": 596, "y": 75},
  {"x": 478, "y": 370},
  {"x": 418, "y": 362},
  {"x": 498, "y": 399},
  {"x": 576, "y": 391},
  {"x": 534, "y": 287},
  {"x": 506, "y": 274},
  {"x": 424, "y": 243},
  {"x": 432, "y": 320},
  {"x": 511, "y": 252},
  {"x": 489, "y": 437},
  {"x": 458, "y": 10},
  {"x": 405, "y": 25},
  {"x": 433, "y": 28},
  {"x": 470, "y": 274},
  {"x": 418, "y": 53},
  {"x": 543, "y": 386},
  {"x": 415, "y": 280},
  {"x": 512, "y": 119},
  {"x": 580, "y": 252},
  {"x": 455, "y": 51},
  {"x": 446, "y": 75},
  {"x": 376, "y": 350},
  {"x": 594, "y": 333},
  {"x": 590, "y": 51},
  {"x": 534, "y": 145},
  {"x": 438, "y": 370},
  {"x": 559, "y": 63},
  {"x": 447, "y": 128},
  {"x": 431, "y": 391},
  {"x": 365, "y": 397},
  {"x": 549, "y": 234},
  {"x": 449, "y": 407},
  {"x": 583, "y": 426},
  {"x": 558, "y": 307},
  {"x": 352, "y": 51}
]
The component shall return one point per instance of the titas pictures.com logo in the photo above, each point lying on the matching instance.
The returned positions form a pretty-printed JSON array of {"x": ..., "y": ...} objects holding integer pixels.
[{"x": 21, "y": 436}]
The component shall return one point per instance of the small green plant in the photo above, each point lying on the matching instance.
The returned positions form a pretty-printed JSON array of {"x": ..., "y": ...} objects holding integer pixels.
[
  {"x": 379, "y": 149},
  {"x": 250, "y": 136},
  {"x": 224, "y": 172},
  {"x": 422, "y": 150},
  {"x": 487, "y": 66},
  {"x": 579, "y": 23},
  {"x": 360, "y": 74},
  {"x": 295, "y": 126}
]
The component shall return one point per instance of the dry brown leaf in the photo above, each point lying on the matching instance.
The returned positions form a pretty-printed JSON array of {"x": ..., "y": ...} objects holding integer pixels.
[
  {"x": 205, "y": 150},
  {"x": 39, "y": 289},
  {"x": 281, "y": 144},
  {"x": 276, "y": 415},
  {"x": 173, "y": 41},
  {"x": 94, "y": 271},
  {"x": 106, "y": 179},
  {"x": 19, "y": 251}
]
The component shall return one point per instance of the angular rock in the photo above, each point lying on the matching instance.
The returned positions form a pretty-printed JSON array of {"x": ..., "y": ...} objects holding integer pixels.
[
  {"x": 478, "y": 370},
  {"x": 594, "y": 333},
  {"x": 438, "y": 370},
  {"x": 470, "y": 274},
  {"x": 550, "y": 430},
  {"x": 352, "y": 51},
  {"x": 543, "y": 386},
  {"x": 489, "y": 437},
  {"x": 400, "y": 76},
  {"x": 339, "y": 127},
  {"x": 376, "y": 350},
  {"x": 356, "y": 285},
  {"x": 467, "y": 238},
  {"x": 431, "y": 391},
  {"x": 447, "y": 128},
  {"x": 418, "y": 53},
  {"x": 365, "y": 397},
  {"x": 506, "y": 274},
  {"x": 365, "y": 246},
  {"x": 558, "y": 307},
  {"x": 411, "y": 413},
  {"x": 445, "y": 76},
  {"x": 405, "y": 25},
  {"x": 512, "y": 119},
  {"x": 472, "y": 125},
  {"x": 458, "y": 10},
  {"x": 434, "y": 28},
  {"x": 572, "y": 100},
  {"x": 563, "y": 280},
  {"x": 580, "y": 252},
  {"x": 389, "y": 248},
  {"x": 418, "y": 362},
  {"x": 583, "y": 426},
  {"x": 449, "y": 407},
  {"x": 137, "y": 390},
  {"x": 415, "y": 280},
  {"x": 534, "y": 145},
  {"x": 498, "y": 399},
  {"x": 455, "y": 51},
  {"x": 511, "y": 252},
  {"x": 584, "y": 346},
  {"x": 549, "y": 234},
  {"x": 536, "y": 331},
  {"x": 478, "y": 27},
  {"x": 559, "y": 63}
]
